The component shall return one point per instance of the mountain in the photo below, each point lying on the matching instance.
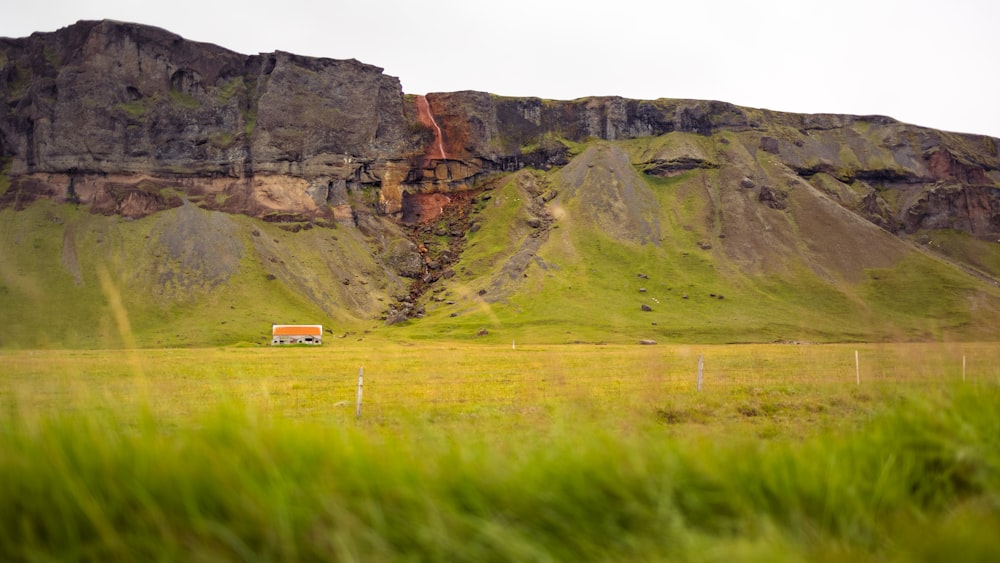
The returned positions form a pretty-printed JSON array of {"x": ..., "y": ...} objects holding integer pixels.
[{"x": 157, "y": 191}]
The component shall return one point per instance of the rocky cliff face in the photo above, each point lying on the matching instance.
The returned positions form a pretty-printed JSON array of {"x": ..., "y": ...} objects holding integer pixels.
[
  {"x": 128, "y": 117},
  {"x": 132, "y": 120},
  {"x": 902, "y": 177}
]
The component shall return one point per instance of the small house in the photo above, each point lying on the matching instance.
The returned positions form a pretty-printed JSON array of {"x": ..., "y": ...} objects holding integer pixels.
[{"x": 296, "y": 334}]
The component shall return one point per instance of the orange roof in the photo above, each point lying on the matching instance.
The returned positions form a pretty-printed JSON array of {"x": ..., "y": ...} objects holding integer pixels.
[{"x": 296, "y": 330}]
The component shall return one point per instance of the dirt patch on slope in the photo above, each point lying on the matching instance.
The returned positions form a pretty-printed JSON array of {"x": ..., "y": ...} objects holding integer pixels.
[
  {"x": 537, "y": 228},
  {"x": 610, "y": 193},
  {"x": 771, "y": 219},
  {"x": 69, "y": 258},
  {"x": 841, "y": 244},
  {"x": 193, "y": 249}
]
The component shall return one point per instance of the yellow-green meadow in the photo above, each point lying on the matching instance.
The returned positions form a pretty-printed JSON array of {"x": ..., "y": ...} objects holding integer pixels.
[
  {"x": 470, "y": 452},
  {"x": 445, "y": 380}
]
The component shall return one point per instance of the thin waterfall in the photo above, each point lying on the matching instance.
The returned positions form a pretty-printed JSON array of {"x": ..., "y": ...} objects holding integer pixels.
[{"x": 427, "y": 118}]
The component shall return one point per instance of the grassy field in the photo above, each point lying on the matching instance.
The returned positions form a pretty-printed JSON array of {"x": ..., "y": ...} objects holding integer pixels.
[{"x": 477, "y": 453}]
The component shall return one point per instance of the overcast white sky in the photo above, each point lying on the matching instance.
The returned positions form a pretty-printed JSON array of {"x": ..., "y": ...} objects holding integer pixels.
[{"x": 928, "y": 62}]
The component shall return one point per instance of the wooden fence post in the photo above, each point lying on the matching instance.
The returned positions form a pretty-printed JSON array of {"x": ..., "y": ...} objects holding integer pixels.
[
  {"x": 361, "y": 374},
  {"x": 701, "y": 366},
  {"x": 857, "y": 367}
]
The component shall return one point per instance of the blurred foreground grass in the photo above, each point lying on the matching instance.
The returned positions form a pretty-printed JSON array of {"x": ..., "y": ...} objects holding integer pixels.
[{"x": 468, "y": 453}]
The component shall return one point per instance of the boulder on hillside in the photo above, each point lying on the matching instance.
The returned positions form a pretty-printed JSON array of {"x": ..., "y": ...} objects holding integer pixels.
[
  {"x": 773, "y": 198},
  {"x": 402, "y": 256}
]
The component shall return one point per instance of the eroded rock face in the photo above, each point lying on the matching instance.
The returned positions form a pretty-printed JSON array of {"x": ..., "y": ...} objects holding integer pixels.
[
  {"x": 113, "y": 98},
  {"x": 496, "y": 128},
  {"x": 973, "y": 209},
  {"x": 109, "y": 114},
  {"x": 132, "y": 120},
  {"x": 317, "y": 116}
]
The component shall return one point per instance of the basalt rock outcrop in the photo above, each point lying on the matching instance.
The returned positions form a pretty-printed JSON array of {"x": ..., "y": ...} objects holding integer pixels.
[{"x": 132, "y": 120}]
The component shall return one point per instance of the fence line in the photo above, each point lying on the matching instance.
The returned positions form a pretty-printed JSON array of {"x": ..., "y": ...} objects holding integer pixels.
[
  {"x": 658, "y": 379},
  {"x": 443, "y": 377}
]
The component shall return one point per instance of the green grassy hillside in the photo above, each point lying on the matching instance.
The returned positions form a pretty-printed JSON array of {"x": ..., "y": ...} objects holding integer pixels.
[
  {"x": 711, "y": 261},
  {"x": 181, "y": 277},
  {"x": 676, "y": 238}
]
